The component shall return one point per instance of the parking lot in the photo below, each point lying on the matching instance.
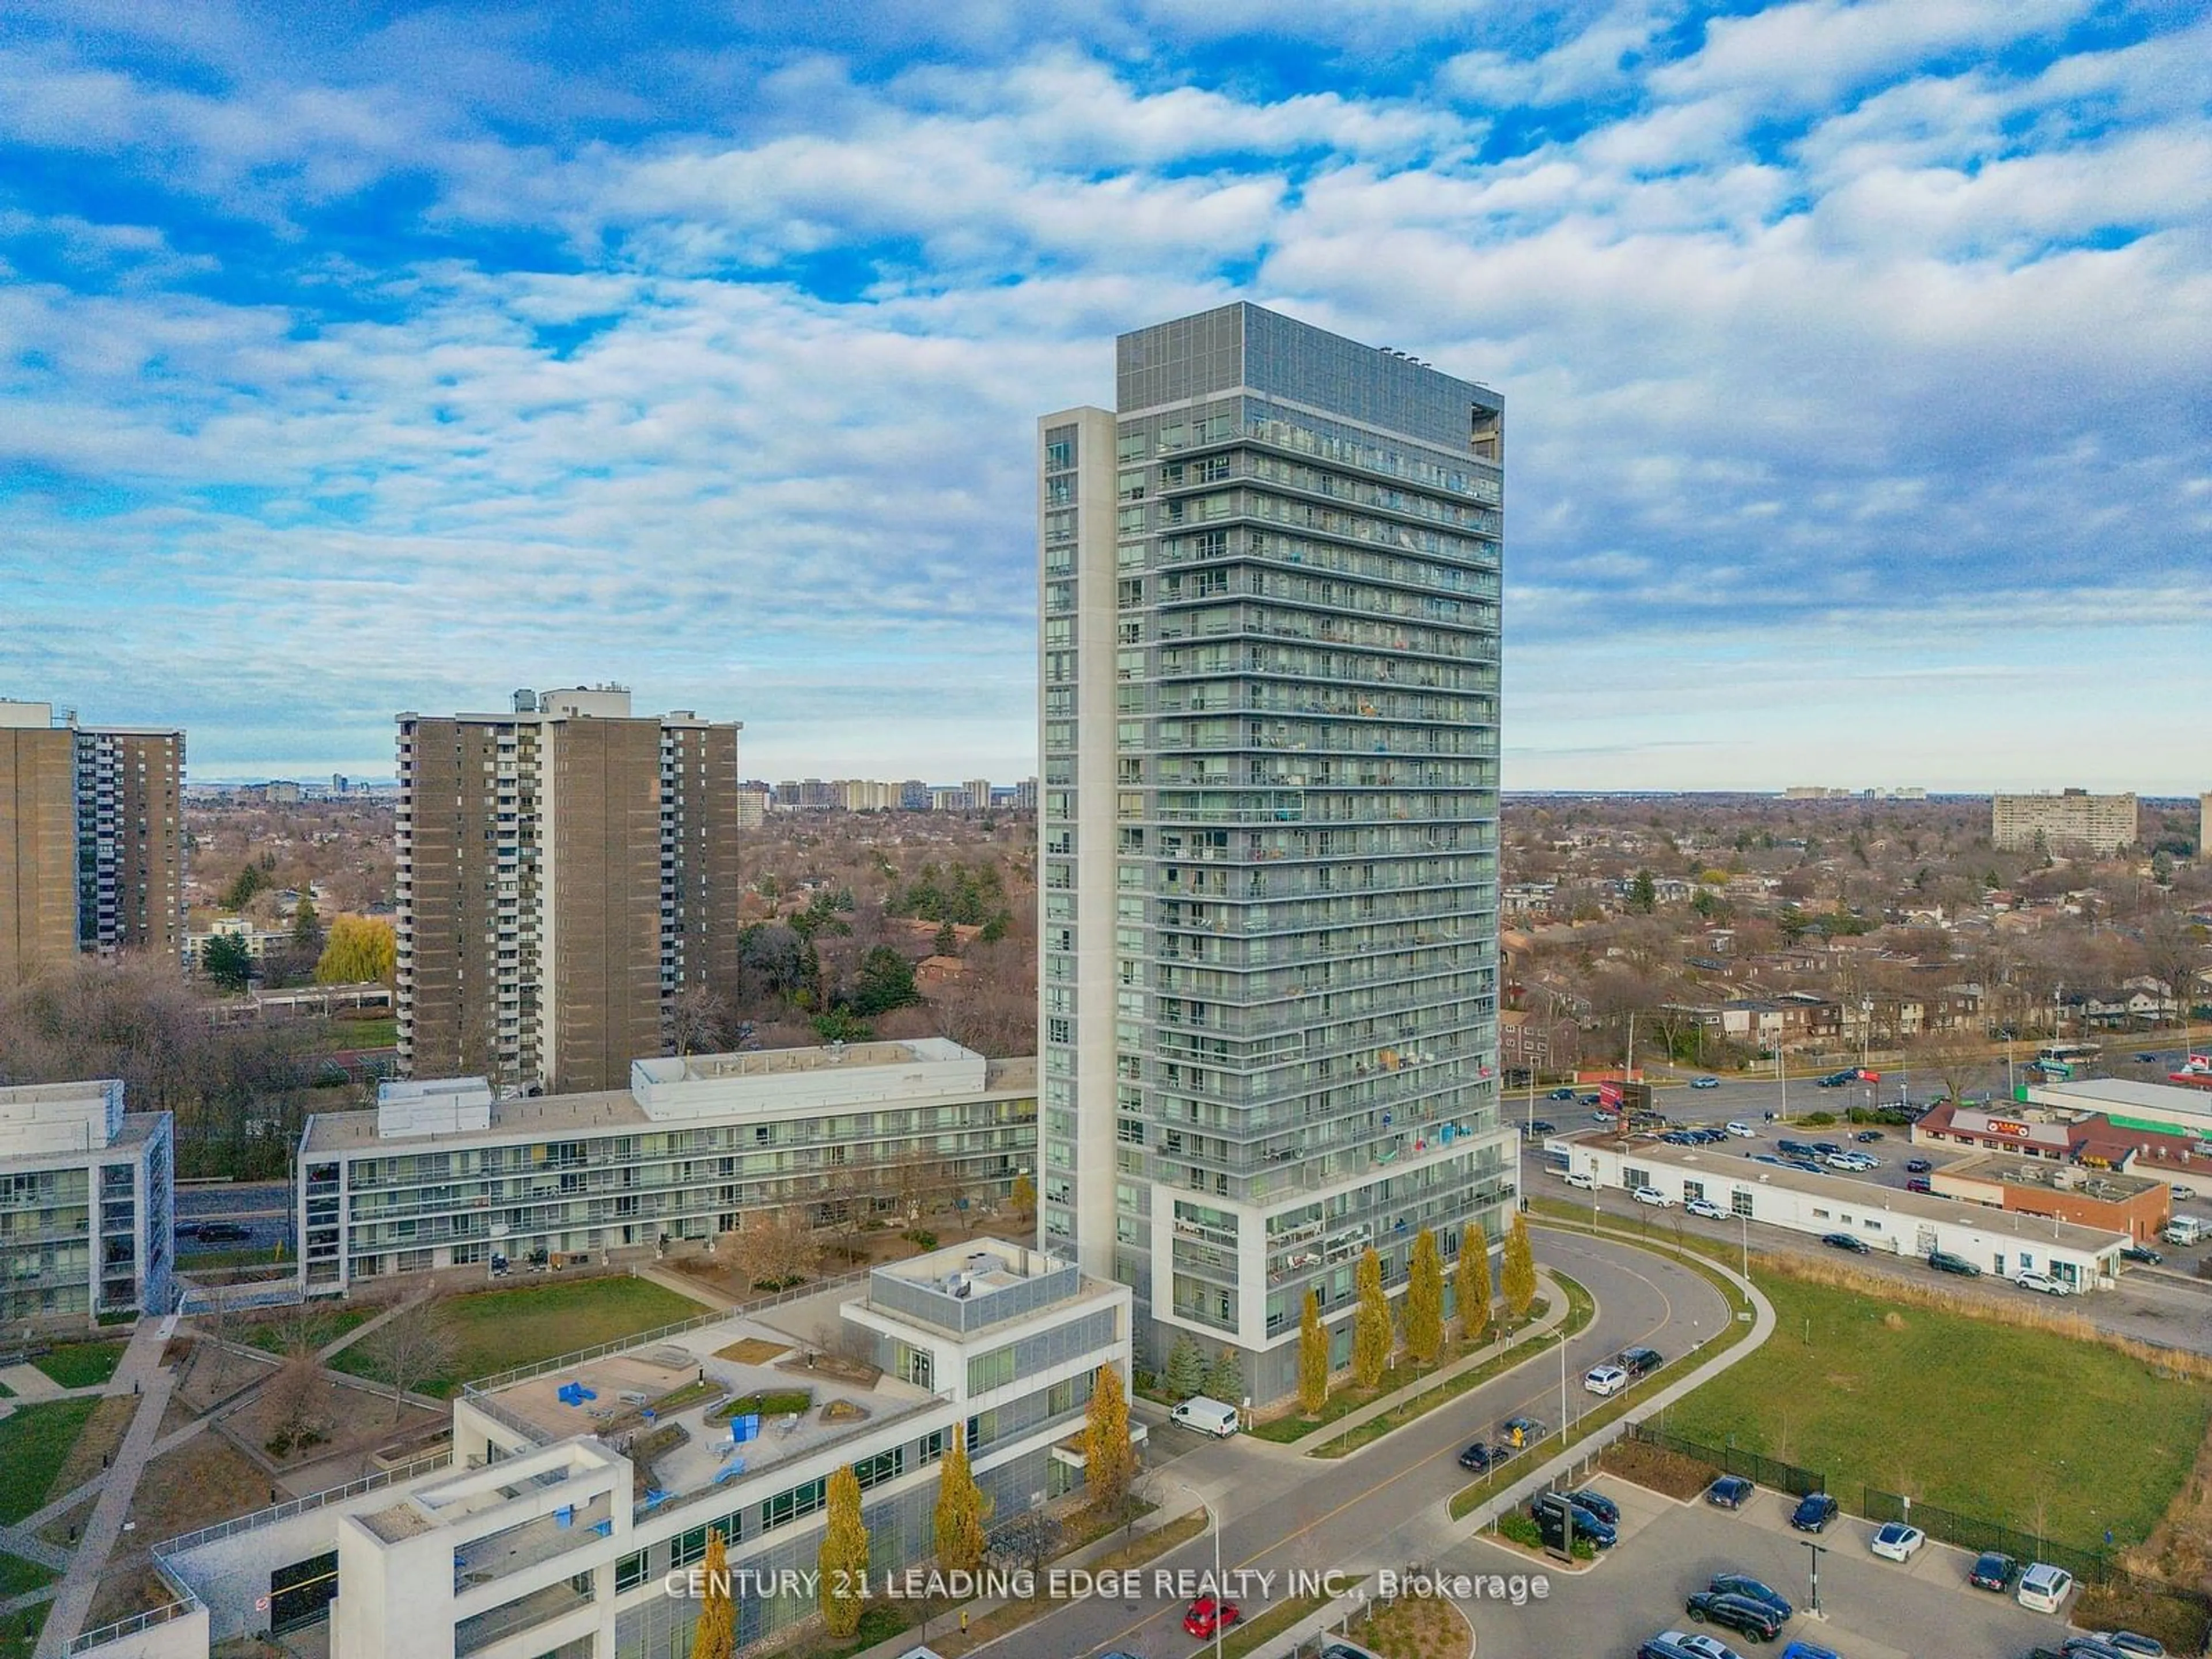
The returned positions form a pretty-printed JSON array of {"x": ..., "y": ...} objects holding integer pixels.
[{"x": 1873, "y": 1608}]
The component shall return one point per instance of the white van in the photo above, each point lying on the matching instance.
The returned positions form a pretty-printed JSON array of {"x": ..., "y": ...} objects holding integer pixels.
[{"x": 1206, "y": 1416}]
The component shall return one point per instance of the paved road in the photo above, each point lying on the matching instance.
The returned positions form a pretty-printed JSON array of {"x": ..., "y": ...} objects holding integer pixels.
[{"x": 1383, "y": 1505}]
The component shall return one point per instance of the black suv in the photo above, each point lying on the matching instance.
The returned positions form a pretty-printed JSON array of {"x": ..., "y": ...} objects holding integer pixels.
[
  {"x": 1850, "y": 1241},
  {"x": 1751, "y": 1590},
  {"x": 1813, "y": 1512},
  {"x": 1739, "y": 1613},
  {"x": 1640, "y": 1362},
  {"x": 1944, "y": 1262}
]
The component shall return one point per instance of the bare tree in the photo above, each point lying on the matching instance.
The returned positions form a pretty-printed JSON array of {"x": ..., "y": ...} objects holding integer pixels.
[
  {"x": 698, "y": 1020},
  {"x": 412, "y": 1347},
  {"x": 775, "y": 1250},
  {"x": 290, "y": 1399}
]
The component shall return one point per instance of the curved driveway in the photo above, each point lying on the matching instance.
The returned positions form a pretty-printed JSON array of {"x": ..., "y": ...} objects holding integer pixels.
[{"x": 1384, "y": 1505}]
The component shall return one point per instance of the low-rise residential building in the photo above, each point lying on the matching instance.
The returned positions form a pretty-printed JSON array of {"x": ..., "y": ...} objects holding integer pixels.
[
  {"x": 576, "y": 1488},
  {"x": 444, "y": 1174},
  {"x": 87, "y": 1191},
  {"x": 1885, "y": 1219}
]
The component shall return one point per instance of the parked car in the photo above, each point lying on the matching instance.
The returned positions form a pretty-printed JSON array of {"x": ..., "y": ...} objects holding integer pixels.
[
  {"x": 1740, "y": 1131},
  {"x": 2141, "y": 1253},
  {"x": 1707, "y": 1208},
  {"x": 1793, "y": 1149},
  {"x": 1807, "y": 1650},
  {"x": 1808, "y": 1165},
  {"x": 1560, "y": 1094},
  {"x": 1583, "y": 1179},
  {"x": 1639, "y": 1363},
  {"x": 1556, "y": 1512},
  {"x": 1653, "y": 1197},
  {"x": 1918, "y": 1166},
  {"x": 2029, "y": 1279},
  {"x": 1944, "y": 1262},
  {"x": 1850, "y": 1241},
  {"x": 1743, "y": 1584},
  {"x": 1813, "y": 1512},
  {"x": 1826, "y": 1148},
  {"x": 1918, "y": 1184},
  {"x": 1730, "y": 1491},
  {"x": 1737, "y": 1612},
  {"x": 1596, "y": 1504},
  {"x": 1867, "y": 1137},
  {"x": 222, "y": 1232},
  {"x": 1605, "y": 1379},
  {"x": 1895, "y": 1541},
  {"x": 1480, "y": 1458},
  {"x": 1679, "y": 1645},
  {"x": 2127, "y": 1641},
  {"x": 1993, "y": 1570},
  {"x": 1206, "y": 1615},
  {"x": 1590, "y": 1099},
  {"x": 2044, "y": 1588},
  {"x": 1521, "y": 1431},
  {"x": 1704, "y": 1083}
]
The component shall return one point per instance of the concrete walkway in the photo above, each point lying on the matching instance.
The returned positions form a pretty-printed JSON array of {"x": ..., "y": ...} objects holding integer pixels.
[
  {"x": 684, "y": 1285},
  {"x": 29, "y": 1384},
  {"x": 141, "y": 1369},
  {"x": 1554, "y": 1314}
]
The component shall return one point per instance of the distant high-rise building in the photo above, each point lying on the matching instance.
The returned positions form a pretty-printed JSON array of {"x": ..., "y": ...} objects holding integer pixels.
[
  {"x": 1025, "y": 795},
  {"x": 565, "y": 871},
  {"x": 92, "y": 850},
  {"x": 1269, "y": 678},
  {"x": 913, "y": 796},
  {"x": 752, "y": 808},
  {"x": 979, "y": 794},
  {"x": 2075, "y": 820}
]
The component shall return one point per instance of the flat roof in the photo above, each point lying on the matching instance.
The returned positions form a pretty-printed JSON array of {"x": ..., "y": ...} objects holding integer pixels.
[
  {"x": 1923, "y": 1207},
  {"x": 2049, "y": 1176},
  {"x": 2097, "y": 1093},
  {"x": 607, "y": 1111},
  {"x": 689, "y": 1450}
]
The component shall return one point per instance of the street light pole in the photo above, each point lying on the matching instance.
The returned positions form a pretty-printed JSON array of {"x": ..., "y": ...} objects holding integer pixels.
[{"x": 1818, "y": 1552}]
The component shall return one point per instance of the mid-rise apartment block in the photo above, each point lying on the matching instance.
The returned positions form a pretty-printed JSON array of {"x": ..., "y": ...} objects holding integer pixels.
[
  {"x": 92, "y": 845},
  {"x": 1270, "y": 590},
  {"x": 565, "y": 871},
  {"x": 445, "y": 1174},
  {"x": 2073, "y": 821},
  {"x": 86, "y": 1197},
  {"x": 575, "y": 1489}
]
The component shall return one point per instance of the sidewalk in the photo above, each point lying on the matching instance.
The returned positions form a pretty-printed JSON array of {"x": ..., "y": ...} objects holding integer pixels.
[
  {"x": 141, "y": 1369},
  {"x": 685, "y": 1284},
  {"x": 1555, "y": 1312}
]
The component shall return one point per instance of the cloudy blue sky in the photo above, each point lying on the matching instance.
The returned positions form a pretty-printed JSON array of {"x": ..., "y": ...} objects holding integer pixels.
[{"x": 353, "y": 358}]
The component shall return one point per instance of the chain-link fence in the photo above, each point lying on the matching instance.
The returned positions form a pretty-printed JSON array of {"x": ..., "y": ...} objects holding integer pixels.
[{"x": 1736, "y": 1460}]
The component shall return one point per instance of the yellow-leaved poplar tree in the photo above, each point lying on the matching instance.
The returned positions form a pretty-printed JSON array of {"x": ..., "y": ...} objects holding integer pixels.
[
  {"x": 1110, "y": 1460},
  {"x": 1517, "y": 1278},
  {"x": 1370, "y": 1325},
  {"x": 1472, "y": 1281},
  {"x": 962, "y": 1509},
  {"x": 1313, "y": 1357},
  {"x": 843, "y": 1560},
  {"x": 1424, "y": 1311},
  {"x": 716, "y": 1635}
]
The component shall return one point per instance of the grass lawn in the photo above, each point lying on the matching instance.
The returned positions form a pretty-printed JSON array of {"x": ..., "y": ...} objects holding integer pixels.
[
  {"x": 1407, "y": 1375},
  {"x": 18, "y": 1577},
  {"x": 323, "y": 1328},
  {"x": 2005, "y": 1423},
  {"x": 495, "y": 1330},
  {"x": 1581, "y": 1310},
  {"x": 82, "y": 1364},
  {"x": 209, "y": 1261},
  {"x": 18, "y": 1631},
  {"x": 34, "y": 1443}
]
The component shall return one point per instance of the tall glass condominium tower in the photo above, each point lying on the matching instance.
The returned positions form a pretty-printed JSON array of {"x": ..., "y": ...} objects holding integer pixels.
[{"x": 1270, "y": 587}]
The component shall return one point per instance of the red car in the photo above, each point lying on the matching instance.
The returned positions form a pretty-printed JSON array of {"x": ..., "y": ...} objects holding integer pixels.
[{"x": 1206, "y": 1615}]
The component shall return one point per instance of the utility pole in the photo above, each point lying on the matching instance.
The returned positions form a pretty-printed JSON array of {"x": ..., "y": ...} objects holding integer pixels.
[{"x": 1818, "y": 1550}]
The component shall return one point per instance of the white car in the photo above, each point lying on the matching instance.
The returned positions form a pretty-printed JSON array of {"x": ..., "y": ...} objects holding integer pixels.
[
  {"x": 1582, "y": 1179},
  {"x": 1653, "y": 1197},
  {"x": 1605, "y": 1379},
  {"x": 1895, "y": 1541},
  {"x": 2043, "y": 1588},
  {"x": 1857, "y": 1162},
  {"x": 1706, "y": 1647},
  {"x": 2028, "y": 1279},
  {"x": 1707, "y": 1208},
  {"x": 1741, "y": 1131}
]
